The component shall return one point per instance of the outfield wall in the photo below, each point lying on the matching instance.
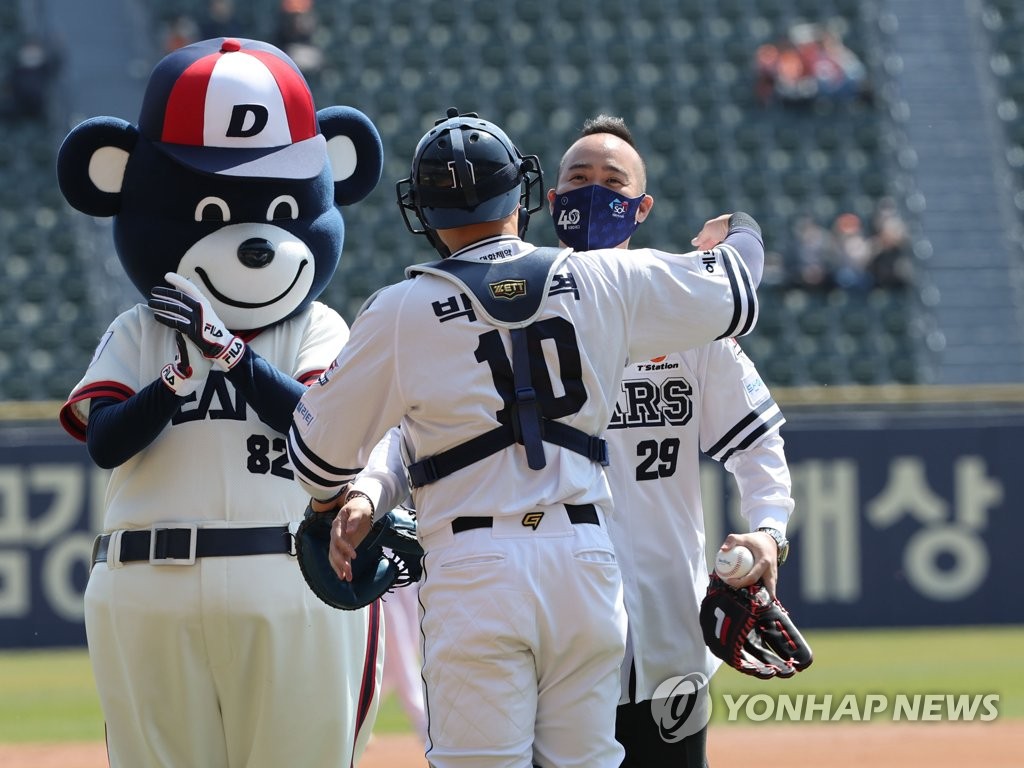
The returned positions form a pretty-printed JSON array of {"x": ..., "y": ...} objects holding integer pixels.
[{"x": 908, "y": 510}]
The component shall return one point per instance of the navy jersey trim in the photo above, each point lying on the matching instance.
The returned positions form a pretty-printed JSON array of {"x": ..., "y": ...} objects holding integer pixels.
[
  {"x": 716, "y": 450},
  {"x": 743, "y": 295},
  {"x": 310, "y": 377},
  {"x": 368, "y": 688},
  {"x": 69, "y": 419},
  {"x": 764, "y": 428},
  {"x": 302, "y": 457},
  {"x": 737, "y": 309}
]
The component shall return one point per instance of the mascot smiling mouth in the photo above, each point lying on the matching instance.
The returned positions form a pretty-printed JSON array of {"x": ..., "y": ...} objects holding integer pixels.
[{"x": 245, "y": 304}]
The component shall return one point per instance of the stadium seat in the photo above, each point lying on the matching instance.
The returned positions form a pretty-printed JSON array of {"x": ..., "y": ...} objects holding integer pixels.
[{"x": 679, "y": 72}]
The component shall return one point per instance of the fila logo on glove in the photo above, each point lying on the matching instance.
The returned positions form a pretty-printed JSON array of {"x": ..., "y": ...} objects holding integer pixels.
[
  {"x": 233, "y": 352},
  {"x": 169, "y": 377}
]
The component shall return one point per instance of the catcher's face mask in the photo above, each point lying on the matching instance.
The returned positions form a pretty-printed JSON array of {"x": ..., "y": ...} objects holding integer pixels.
[{"x": 594, "y": 217}]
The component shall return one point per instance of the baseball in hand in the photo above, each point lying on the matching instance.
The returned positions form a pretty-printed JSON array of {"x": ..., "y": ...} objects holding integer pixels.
[{"x": 734, "y": 564}]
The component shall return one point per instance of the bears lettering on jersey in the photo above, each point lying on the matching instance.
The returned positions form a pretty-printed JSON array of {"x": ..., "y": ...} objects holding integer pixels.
[
  {"x": 230, "y": 403},
  {"x": 646, "y": 403}
]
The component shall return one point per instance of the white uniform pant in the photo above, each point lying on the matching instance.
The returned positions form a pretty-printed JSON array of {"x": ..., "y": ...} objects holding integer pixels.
[
  {"x": 231, "y": 662},
  {"x": 403, "y": 666},
  {"x": 523, "y": 635}
]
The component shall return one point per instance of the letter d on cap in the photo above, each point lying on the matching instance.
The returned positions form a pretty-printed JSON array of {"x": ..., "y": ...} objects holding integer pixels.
[{"x": 236, "y": 127}]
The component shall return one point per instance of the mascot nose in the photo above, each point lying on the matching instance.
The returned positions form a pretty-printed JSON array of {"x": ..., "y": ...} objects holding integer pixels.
[{"x": 256, "y": 252}]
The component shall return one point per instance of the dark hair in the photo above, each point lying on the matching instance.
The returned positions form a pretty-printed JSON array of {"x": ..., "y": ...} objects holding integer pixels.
[{"x": 616, "y": 126}]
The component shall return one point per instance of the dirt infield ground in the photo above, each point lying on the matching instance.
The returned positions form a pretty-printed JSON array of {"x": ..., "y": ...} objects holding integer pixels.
[{"x": 930, "y": 745}]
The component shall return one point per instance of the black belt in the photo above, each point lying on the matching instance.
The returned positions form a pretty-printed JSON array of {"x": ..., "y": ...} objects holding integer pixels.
[
  {"x": 578, "y": 514},
  {"x": 181, "y": 545}
]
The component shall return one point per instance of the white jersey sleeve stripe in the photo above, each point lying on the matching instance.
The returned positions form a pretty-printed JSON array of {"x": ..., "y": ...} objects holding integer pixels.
[
  {"x": 313, "y": 470},
  {"x": 764, "y": 419},
  {"x": 744, "y": 296},
  {"x": 314, "y": 458},
  {"x": 772, "y": 425}
]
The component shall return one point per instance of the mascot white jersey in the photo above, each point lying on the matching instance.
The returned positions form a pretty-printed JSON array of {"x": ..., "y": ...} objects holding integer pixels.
[{"x": 205, "y": 640}]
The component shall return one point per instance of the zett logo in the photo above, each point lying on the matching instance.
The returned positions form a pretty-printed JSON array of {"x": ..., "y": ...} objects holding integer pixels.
[
  {"x": 532, "y": 519},
  {"x": 508, "y": 289}
]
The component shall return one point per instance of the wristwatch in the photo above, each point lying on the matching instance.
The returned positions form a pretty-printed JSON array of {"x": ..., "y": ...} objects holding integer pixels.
[{"x": 781, "y": 540}]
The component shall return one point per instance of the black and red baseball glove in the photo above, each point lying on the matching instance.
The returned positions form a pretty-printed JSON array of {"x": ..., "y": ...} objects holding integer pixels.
[{"x": 751, "y": 632}]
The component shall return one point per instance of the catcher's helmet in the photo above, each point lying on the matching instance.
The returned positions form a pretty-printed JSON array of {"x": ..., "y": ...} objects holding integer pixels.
[{"x": 466, "y": 171}]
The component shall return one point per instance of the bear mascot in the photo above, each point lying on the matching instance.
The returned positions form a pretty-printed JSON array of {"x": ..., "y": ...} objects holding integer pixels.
[{"x": 207, "y": 646}]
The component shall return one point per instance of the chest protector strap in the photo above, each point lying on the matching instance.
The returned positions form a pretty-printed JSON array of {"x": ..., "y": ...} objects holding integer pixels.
[{"x": 509, "y": 294}]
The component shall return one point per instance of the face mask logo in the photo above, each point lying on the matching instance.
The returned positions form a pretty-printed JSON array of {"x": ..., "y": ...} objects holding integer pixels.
[
  {"x": 594, "y": 217},
  {"x": 567, "y": 219}
]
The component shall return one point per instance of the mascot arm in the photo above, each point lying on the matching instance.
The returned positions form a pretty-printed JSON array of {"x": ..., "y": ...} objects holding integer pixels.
[
  {"x": 119, "y": 429},
  {"x": 272, "y": 394}
]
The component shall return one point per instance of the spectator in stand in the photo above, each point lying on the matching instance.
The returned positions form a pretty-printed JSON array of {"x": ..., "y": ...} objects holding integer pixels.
[
  {"x": 810, "y": 63},
  {"x": 219, "y": 21},
  {"x": 891, "y": 265},
  {"x": 815, "y": 254},
  {"x": 296, "y": 28},
  {"x": 854, "y": 252},
  {"x": 847, "y": 256},
  {"x": 839, "y": 71},
  {"x": 179, "y": 30},
  {"x": 782, "y": 74},
  {"x": 27, "y": 83},
  {"x": 766, "y": 60}
]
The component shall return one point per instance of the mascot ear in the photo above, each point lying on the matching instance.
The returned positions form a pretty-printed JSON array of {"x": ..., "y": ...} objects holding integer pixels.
[
  {"x": 354, "y": 150},
  {"x": 91, "y": 164}
]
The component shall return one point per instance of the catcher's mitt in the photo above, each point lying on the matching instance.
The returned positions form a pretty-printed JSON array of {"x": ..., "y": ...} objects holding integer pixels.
[
  {"x": 374, "y": 571},
  {"x": 751, "y": 632}
]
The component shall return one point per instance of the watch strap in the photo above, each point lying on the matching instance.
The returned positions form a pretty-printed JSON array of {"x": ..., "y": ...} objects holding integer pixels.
[{"x": 780, "y": 540}]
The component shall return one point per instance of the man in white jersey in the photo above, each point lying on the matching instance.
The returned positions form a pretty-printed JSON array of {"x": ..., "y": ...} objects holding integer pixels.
[
  {"x": 501, "y": 365},
  {"x": 669, "y": 409}
]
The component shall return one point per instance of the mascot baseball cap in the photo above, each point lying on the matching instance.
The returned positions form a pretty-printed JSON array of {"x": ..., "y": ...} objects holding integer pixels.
[{"x": 234, "y": 107}]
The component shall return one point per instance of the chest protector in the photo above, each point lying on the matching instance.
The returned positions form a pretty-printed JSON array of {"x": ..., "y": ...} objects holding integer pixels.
[{"x": 509, "y": 294}]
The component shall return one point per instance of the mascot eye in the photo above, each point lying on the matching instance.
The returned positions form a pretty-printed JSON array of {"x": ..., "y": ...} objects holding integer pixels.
[
  {"x": 212, "y": 209},
  {"x": 283, "y": 207}
]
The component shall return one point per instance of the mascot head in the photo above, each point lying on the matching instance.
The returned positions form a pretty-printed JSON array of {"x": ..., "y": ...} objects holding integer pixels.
[{"x": 230, "y": 178}]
